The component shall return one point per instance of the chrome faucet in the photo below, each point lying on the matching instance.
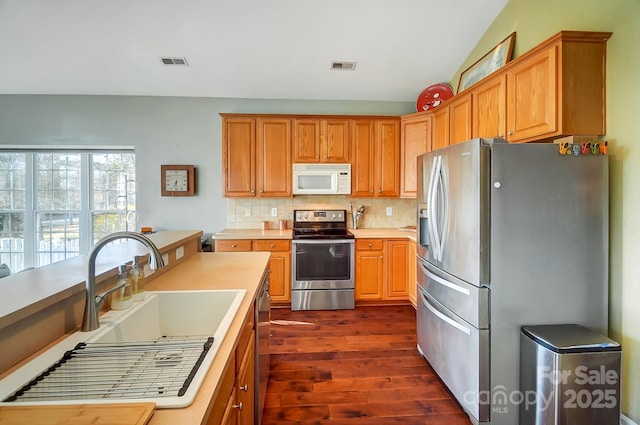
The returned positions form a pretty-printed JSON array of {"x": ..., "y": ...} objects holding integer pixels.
[{"x": 90, "y": 321}]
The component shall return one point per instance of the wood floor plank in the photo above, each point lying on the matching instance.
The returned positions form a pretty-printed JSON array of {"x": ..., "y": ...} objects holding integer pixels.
[{"x": 353, "y": 367}]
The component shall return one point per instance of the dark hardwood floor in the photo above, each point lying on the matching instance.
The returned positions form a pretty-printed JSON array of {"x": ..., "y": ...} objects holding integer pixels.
[{"x": 353, "y": 367}]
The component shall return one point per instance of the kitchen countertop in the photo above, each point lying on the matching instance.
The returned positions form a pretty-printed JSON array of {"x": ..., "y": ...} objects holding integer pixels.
[
  {"x": 28, "y": 292},
  {"x": 393, "y": 233},
  {"x": 219, "y": 270}
]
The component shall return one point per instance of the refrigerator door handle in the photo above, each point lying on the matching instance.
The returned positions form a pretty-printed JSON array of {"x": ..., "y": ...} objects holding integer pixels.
[
  {"x": 443, "y": 282},
  {"x": 444, "y": 318},
  {"x": 445, "y": 208},
  {"x": 434, "y": 207}
]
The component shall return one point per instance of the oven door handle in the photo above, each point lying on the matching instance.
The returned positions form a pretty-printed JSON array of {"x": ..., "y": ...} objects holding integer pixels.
[{"x": 322, "y": 241}]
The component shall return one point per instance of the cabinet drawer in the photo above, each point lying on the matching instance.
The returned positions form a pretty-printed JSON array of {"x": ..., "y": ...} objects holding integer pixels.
[
  {"x": 272, "y": 245},
  {"x": 369, "y": 244},
  {"x": 233, "y": 245}
]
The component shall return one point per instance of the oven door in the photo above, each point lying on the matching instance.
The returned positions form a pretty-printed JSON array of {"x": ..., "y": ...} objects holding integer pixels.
[{"x": 323, "y": 264}]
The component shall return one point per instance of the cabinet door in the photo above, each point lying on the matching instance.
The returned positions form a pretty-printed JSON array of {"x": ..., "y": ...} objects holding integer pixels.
[
  {"x": 363, "y": 149},
  {"x": 306, "y": 140},
  {"x": 531, "y": 97},
  {"x": 238, "y": 156},
  {"x": 388, "y": 158},
  {"x": 412, "y": 267},
  {"x": 397, "y": 269},
  {"x": 245, "y": 381},
  {"x": 415, "y": 139},
  {"x": 488, "y": 118},
  {"x": 370, "y": 269},
  {"x": 335, "y": 141},
  {"x": 280, "y": 277},
  {"x": 440, "y": 137},
  {"x": 273, "y": 157},
  {"x": 460, "y": 119}
]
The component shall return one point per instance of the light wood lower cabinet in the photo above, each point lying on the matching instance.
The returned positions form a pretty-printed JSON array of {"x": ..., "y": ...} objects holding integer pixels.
[
  {"x": 397, "y": 269},
  {"x": 382, "y": 272},
  {"x": 413, "y": 274},
  {"x": 234, "y": 404},
  {"x": 370, "y": 269},
  {"x": 279, "y": 263},
  {"x": 279, "y": 266}
]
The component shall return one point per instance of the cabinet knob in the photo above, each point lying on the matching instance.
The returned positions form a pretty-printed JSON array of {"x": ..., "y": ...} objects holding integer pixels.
[
  {"x": 238, "y": 406},
  {"x": 261, "y": 191},
  {"x": 234, "y": 245},
  {"x": 381, "y": 257},
  {"x": 370, "y": 244},
  {"x": 325, "y": 156},
  {"x": 509, "y": 133},
  {"x": 379, "y": 191},
  {"x": 253, "y": 191},
  {"x": 371, "y": 190},
  {"x": 501, "y": 135},
  {"x": 245, "y": 387},
  {"x": 273, "y": 245}
]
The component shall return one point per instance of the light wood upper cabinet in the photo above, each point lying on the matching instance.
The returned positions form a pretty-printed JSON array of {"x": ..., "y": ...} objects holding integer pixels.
[
  {"x": 415, "y": 139},
  {"x": 238, "y": 155},
  {"x": 363, "y": 156},
  {"x": 388, "y": 158},
  {"x": 558, "y": 88},
  {"x": 532, "y": 97},
  {"x": 320, "y": 140},
  {"x": 460, "y": 120},
  {"x": 273, "y": 157},
  {"x": 488, "y": 106},
  {"x": 375, "y": 170},
  {"x": 256, "y": 157},
  {"x": 440, "y": 137}
]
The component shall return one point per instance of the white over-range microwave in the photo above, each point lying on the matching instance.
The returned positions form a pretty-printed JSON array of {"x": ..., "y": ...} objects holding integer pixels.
[{"x": 321, "y": 179}]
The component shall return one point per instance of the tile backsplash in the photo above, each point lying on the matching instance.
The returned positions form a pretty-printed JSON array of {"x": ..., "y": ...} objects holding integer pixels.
[{"x": 250, "y": 213}]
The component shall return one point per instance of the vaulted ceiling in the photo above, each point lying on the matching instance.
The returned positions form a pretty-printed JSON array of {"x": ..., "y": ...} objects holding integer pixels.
[{"x": 279, "y": 49}]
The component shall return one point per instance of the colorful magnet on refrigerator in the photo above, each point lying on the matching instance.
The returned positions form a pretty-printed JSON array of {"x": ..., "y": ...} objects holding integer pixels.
[
  {"x": 575, "y": 149},
  {"x": 604, "y": 148},
  {"x": 595, "y": 148},
  {"x": 562, "y": 148},
  {"x": 585, "y": 148}
]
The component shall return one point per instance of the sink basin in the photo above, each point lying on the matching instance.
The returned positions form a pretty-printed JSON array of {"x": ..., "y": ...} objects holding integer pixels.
[{"x": 164, "y": 316}]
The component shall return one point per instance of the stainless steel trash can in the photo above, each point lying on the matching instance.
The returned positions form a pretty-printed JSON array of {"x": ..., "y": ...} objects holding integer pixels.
[{"x": 568, "y": 375}]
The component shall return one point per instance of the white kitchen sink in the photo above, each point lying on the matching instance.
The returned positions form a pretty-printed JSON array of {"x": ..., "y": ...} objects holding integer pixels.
[{"x": 159, "y": 338}]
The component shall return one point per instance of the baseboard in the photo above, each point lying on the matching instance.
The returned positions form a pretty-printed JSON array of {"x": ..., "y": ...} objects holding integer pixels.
[{"x": 626, "y": 421}]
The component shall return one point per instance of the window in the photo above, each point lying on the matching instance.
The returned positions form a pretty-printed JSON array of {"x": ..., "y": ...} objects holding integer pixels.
[{"x": 57, "y": 205}]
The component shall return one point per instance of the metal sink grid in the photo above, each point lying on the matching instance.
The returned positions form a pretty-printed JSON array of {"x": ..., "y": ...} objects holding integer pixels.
[{"x": 123, "y": 370}]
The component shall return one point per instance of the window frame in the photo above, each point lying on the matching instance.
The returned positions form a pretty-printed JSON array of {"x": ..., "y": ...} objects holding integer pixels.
[{"x": 87, "y": 212}]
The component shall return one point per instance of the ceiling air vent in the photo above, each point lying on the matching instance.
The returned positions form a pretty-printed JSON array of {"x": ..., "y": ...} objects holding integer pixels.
[
  {"x": 343, "y": 66},
  {"x": 175, "y": 61}
]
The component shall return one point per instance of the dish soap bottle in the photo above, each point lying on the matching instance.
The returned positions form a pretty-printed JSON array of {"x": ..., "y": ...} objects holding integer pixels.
[
  {"x": 137, "y": 280},
  {"x": 122, "y": 298}
]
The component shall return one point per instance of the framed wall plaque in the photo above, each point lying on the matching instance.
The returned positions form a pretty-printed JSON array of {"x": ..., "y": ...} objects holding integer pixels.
[{"x": 495, "y": 59}]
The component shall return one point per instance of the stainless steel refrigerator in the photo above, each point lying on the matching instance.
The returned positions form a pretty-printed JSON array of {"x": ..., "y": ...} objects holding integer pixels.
[{"x": 508, "y": 235}]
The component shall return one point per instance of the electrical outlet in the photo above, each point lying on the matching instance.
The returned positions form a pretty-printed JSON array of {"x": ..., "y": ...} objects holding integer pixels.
[
  {"x": 274, "y": 212},
  {"x": 179, "y": 252},
  {"x": 389, "y": 211},
  {"x": 165, "y": 258},
  {"x": 247, "y": 212}
]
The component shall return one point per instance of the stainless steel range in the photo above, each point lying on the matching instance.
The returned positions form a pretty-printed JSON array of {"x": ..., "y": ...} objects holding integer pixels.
[{"x": 323, "y": 261}]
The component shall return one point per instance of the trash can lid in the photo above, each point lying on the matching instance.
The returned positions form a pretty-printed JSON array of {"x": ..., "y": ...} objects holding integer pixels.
[{"x": 569, "y": 338}]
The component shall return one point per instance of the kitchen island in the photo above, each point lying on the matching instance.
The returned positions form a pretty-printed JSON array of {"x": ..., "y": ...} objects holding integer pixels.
[{"x": 226, "y": 270}]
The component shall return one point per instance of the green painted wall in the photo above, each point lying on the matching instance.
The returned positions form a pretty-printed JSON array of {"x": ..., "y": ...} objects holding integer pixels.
[{"x": 535, "y": 21}]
